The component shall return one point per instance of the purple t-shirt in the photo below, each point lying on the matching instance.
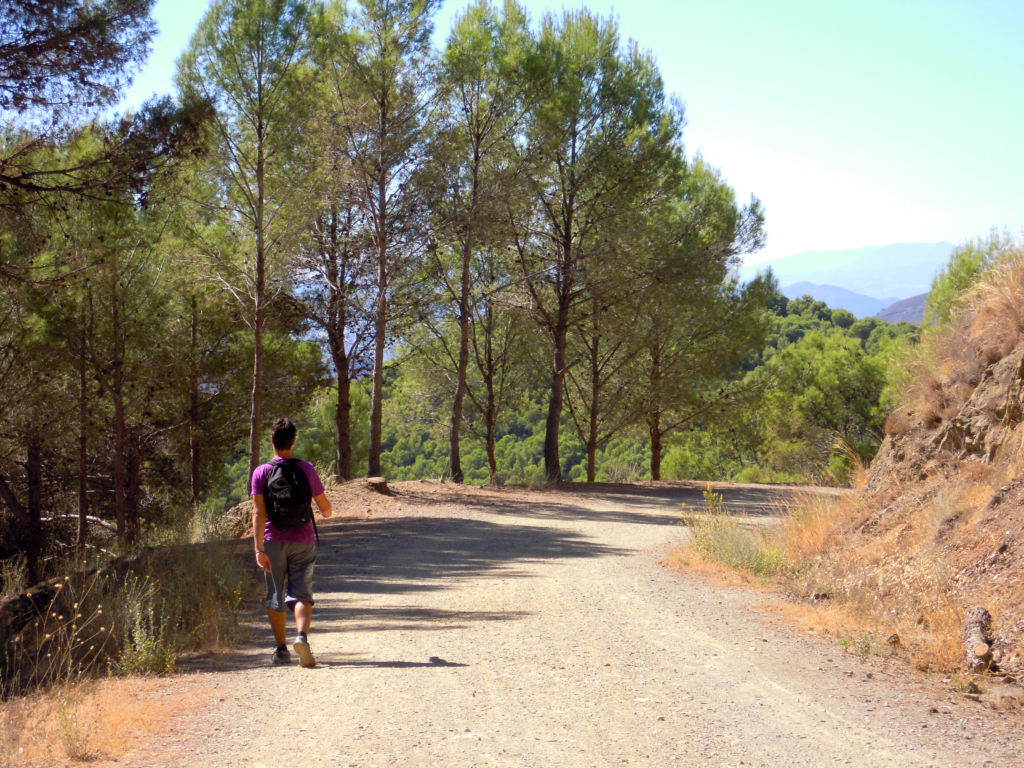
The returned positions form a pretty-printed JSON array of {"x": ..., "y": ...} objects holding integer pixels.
[{"x": 304, "y": 533}]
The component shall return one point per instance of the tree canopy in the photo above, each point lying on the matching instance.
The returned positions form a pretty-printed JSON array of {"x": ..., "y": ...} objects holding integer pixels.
[{"x": 493, "y": 262}]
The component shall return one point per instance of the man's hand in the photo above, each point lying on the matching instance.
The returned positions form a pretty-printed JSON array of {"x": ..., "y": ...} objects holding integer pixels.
[{"x": 263, "y": 561}]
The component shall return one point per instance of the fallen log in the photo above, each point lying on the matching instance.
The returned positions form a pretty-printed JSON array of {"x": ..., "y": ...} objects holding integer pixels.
[
  {"x": 378, "y": 485},
  {"x": 76, "y": 518},
  {"x": 977, "y": 640}
]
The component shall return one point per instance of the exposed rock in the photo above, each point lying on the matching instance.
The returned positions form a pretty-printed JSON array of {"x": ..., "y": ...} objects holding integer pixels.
[{"x": 239, "y": 520}]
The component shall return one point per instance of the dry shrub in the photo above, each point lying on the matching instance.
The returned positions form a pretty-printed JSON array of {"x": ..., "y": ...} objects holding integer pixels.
[
  {"x": 994, "y": 306},
  {"x": 897, "y": 424},
  {"x": 895, "y": 568},
  {"x": 947, "y": 365},
  {"x": 717, "y": 536},
  {"x": 188, "y": 598},
  {"x": 816, "y": 524}
]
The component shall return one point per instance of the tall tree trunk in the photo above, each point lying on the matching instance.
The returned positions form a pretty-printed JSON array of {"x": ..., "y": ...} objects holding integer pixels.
[
  {"x": 119, "y": 468},
  {"x": 23, "y": 527},
  {"x": 343, "y": 425},
  {"x": 337, "y": 321},
  {"x": 564, "y": 282},
  {"x": 654, "y": 415},
  {"x": 193, "y": 408},
  {"x": 83, "y": 450},
  {"x": 377, "y": 395},
  {"x": 34, "y": 470},
  {"x": 491, "y": 415},
  {"x": 595, "y": 394},
  {"x": 133, "y": 470},
  {"x": 492, "y": 461},
  {"x": 552, "y": 465},
  {"x": 455, "y": 454},
  {"x": 256, "y": 416},
  {"x": 117, "y": 391},
  {"x": 654, "y": 425},
  {"x": 380, "y": 324},
  {"x": 592, "y": 451}
]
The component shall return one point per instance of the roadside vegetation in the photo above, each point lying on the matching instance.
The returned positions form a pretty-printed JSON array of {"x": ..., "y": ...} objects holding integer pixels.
[{"x": 930, "y": 528}]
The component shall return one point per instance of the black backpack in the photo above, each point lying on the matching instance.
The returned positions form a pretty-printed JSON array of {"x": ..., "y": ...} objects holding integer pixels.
[{"x": 288, "y": 497}]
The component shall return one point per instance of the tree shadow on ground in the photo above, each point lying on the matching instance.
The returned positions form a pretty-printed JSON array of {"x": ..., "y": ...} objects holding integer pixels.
[
  {"x": 634, "y": 504},
  {"x": 409, "y": 555}
]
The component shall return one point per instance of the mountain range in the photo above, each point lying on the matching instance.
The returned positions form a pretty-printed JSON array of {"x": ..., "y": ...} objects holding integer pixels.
[
  {"x": 839, "y": 298},
  {"x": 909, "y": 310},
  {"x": 885, "y": 273}
]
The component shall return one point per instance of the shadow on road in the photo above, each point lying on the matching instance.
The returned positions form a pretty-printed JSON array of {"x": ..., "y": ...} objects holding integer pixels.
[
  {"x": 405, "y": 555},
  {"x": 433, "y": 662},
  {"x": 418, "y": 553},
  {"x": 633, "y": 504},
  {"x": 414, "y": 554}
]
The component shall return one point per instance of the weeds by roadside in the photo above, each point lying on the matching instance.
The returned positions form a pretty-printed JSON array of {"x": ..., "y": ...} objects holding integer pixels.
[
  {"x": 857, "y": 588},
  {"x": 13, "y": 576},
  {"x": 100, "y": 719},
  {"x": 186, "y": 598},
  {"x": 720, "y": 537},
  {"x": 74, "y": 736}
]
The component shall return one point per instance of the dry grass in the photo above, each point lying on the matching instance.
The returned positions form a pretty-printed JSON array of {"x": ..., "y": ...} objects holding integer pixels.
[
  {"x": 946, "y": 368},
  {"x": 873, "y": 575},
  {"x": 882, "y": 570},
  {"x": 688, "y": 560},
  {"x": 994, "y": 307},
  {"x": 188, "y": 599},
  {"x": 98, "y": 721}
]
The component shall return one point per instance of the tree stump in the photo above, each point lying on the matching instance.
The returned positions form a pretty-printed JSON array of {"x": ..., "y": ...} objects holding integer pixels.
[
  {"x": 378, "y": 485},
  {"x": 977, "y": 639}
]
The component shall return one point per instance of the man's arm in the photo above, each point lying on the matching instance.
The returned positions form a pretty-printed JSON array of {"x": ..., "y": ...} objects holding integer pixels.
[
  {"x": 259, "y": 524},
  {"x": 324, "y": 504}
]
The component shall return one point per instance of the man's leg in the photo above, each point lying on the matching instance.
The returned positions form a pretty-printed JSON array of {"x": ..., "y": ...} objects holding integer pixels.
[
  {"x": 300, "y": 594},
  {"x": 278, "y": 623},
  {"x": 275, "y": 602},
  {"x": 303, "y": 616}
]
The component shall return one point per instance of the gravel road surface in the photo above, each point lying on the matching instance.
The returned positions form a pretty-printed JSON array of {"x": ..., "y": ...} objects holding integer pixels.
[{"x": 537, "y": 628}]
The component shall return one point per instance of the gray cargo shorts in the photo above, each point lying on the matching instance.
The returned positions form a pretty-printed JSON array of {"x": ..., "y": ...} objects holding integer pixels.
[{"x": 291, "y": 574}]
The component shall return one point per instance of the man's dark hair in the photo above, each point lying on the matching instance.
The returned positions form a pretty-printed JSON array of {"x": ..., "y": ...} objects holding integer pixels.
[{"x": 283, "y": 434}]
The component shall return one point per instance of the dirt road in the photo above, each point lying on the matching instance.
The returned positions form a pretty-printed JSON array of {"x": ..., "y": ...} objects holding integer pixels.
[{"x": 501, "y": 628}]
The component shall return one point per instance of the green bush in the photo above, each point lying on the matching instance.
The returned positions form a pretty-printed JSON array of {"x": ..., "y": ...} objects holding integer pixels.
[
  {"x": 135, "y": 621},
  {"x": 719, "y": 537},
  {"x": 146, "y": 642},
  {"x": 757, "y": 474}
]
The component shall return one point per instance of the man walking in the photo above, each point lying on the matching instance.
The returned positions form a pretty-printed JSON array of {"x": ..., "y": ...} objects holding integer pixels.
[{"x": 284, "y": 532}]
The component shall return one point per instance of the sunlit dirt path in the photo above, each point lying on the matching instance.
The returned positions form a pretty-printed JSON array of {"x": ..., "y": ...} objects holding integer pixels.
[{"x": 536, "y": 628}]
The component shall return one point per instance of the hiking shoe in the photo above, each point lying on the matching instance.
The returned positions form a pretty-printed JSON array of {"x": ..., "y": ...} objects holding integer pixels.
[
  {"x": 281, "y": 656},
  {"x": 305, "y": 655}
]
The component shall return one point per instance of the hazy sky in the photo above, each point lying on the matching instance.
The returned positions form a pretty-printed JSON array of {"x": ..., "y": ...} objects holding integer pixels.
[{"x": 857, "y": 122}]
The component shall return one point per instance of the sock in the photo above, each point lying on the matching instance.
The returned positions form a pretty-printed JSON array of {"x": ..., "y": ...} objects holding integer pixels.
[
  {"x": 282, "y": 647},
  {"x": 302, "y": 637}
]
